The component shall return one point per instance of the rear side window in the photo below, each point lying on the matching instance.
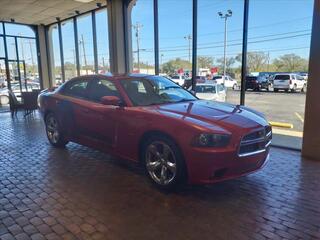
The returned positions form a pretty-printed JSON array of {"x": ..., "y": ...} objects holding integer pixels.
[
  {"x": 77, "y": 89},
  {"x": 205, "y": 89},
  {"x": 101, "y": 88},
  {"x": 282, "y": 77}
]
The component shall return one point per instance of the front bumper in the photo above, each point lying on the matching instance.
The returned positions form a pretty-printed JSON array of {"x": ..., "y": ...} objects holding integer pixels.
[{"x": 205, "y": 166}]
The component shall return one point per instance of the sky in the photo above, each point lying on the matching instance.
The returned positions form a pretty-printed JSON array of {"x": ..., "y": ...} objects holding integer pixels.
[{"x": 276, "y": 27}]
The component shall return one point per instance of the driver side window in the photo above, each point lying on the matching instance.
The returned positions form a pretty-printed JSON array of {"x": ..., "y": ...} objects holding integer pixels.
[{"x": 101, "y": 88}]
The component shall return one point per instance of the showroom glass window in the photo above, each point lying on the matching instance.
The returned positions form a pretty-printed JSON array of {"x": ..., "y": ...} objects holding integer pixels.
[
  {"x": 279, "y": 43},
  {"x": 85, "y": 44},
  {"x": 69, "y": 52},
  {"x": 102, "y": 41},
  {"x": 55, "y": 55},
  {"x": 142, "y": 29}
]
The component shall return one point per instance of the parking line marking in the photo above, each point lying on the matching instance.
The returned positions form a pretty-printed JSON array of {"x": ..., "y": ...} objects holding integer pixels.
[
  {"x": 281, "y": 124},
  {"x": 287, "y": 132},
  {"x": 299, "y": 116}
]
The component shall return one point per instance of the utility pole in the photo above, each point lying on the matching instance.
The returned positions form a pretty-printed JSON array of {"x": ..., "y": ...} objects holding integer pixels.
[
  {"x": 189, "y": 38},
  {"x": 137, "y": 28},
  {"x": 268, "y": 61},
  {"x": 84, "y": 53},
  {"x": 103, "y": 64},
  {"x": 161, "y": 56},
  {"x": 225, "y": 17}
]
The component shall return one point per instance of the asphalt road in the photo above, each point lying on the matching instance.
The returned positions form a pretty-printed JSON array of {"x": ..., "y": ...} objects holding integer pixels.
[{"x": 278, "y": 107}]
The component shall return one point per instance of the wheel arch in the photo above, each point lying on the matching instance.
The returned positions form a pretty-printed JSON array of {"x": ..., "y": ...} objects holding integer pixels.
[{"x": 145, "y": 136}]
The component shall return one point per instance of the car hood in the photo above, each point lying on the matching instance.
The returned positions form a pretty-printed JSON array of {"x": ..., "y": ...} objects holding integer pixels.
[{"x": 210, "y": 113}]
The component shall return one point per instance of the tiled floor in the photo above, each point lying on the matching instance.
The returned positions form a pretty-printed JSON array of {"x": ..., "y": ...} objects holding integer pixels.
[{"x": 79, "y": 193}]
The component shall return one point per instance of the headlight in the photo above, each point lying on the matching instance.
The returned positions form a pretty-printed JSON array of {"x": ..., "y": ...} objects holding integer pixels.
[{"x": 211, "y": 140}]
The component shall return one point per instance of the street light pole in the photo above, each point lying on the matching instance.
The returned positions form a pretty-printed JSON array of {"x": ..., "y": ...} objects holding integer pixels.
[{"x": 225, "y": 17}]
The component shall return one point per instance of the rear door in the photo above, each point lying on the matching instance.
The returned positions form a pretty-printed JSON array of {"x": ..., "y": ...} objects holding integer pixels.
[
  {"x": 69, "y": 107},
  {"x": 282, "y": 81}
]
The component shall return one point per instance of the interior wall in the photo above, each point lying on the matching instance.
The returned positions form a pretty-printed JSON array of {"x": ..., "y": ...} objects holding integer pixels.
[{"x": 311, "y": 138}]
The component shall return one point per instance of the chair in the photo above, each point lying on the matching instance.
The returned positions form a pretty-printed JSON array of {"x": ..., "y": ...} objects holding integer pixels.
[
  {"x": 30, "y": 101},
  {"x": 15, "y": 105}
]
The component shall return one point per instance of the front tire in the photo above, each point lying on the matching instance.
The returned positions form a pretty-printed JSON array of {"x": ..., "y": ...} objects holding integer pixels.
[
  {"x": 163, "y": 162},
  {"x": 54, "y": 133}
]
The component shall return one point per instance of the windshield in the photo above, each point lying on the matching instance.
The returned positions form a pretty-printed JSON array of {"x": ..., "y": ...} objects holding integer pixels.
[
  {"x": 155, "y": 90},
  {"x": 216, "y": 77},
  {"x": 205, "y": 89}
]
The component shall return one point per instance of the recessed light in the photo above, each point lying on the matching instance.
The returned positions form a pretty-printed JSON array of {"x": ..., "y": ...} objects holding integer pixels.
[{"x": 84, "y": 1}]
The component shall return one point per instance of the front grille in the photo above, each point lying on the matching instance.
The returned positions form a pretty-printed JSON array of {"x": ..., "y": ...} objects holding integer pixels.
[{"x": 255, "y": 142}]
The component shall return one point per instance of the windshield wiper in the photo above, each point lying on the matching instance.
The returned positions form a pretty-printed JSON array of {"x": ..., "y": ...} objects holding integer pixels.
[
  {"x": 169, "y": 87},
  {"x": 184, "y": 100}
]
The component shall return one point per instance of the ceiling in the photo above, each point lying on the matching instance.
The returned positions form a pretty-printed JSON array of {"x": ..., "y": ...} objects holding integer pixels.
[{"x": 43, "y": 11}]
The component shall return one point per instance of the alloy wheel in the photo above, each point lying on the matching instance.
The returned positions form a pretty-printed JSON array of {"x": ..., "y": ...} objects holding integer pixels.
[
  {"x": 161, "y": 162},
  {"x": 52, "y": 129}
]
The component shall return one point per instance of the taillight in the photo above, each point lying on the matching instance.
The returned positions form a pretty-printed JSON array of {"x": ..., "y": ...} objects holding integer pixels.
[{"x": 290, "y": 82}]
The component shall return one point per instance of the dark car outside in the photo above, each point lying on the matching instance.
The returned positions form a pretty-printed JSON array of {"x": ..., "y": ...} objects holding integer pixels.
[{"x": 257, "y": 83}]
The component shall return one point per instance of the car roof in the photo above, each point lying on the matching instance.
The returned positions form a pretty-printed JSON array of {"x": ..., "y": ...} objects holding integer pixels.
[{"x": 112, "y": 76}]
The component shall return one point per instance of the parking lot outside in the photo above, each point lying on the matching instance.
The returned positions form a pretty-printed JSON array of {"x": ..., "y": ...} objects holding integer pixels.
[
  {"x": 278, "y": 107},
  {"x": 80, "y": 193}
]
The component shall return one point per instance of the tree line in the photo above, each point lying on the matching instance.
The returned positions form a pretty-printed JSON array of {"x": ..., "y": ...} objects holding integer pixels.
[{"x": 256, "y": 62}]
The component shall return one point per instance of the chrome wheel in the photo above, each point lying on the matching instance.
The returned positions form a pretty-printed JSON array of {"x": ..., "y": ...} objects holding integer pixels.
[
  {"x": 52, "y": 129},
  {"x": 161, "y": 162}
]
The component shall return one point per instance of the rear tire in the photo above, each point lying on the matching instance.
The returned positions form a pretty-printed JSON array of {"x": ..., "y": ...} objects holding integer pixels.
[
  {"x": 163, "y": 162},
  {"x": 54, "y": 133},
  {"x": 235, "y": 87}
]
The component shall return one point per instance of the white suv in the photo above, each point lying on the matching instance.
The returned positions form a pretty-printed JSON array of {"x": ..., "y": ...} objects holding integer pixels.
[
  {"x": 289, "y": 81},
  {"x": 227, "y": 80},
  {"x": 178, "y": 79}
]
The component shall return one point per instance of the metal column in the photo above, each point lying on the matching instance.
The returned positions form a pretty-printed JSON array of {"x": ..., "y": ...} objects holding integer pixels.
[
  {"x": 6, "y": 56},
  {"x": 18, "y": 61},
  {"x": 63, "y": 77},
  {"x": 76, "y": 45},
  {"x": 156, "y": 36},
  {"x": 194, "y": 42},
  {"x": 244, "y": 52},
  {"x": 95, "y": 48}
]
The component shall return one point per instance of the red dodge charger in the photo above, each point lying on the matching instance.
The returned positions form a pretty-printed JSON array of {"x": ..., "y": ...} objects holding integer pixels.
[{"x": 152, "y": 120}]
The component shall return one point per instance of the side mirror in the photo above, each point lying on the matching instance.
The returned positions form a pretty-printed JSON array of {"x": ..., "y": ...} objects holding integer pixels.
[
  {"x": 193, "y": 92},
  {"x": 111, "y": 100}
]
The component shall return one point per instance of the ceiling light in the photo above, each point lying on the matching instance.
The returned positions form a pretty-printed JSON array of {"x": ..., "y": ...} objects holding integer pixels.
[{"x": 84, "y": 1}]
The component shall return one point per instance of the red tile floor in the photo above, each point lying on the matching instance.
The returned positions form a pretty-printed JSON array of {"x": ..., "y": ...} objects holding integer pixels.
[{"x": 80, "y": 193}]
